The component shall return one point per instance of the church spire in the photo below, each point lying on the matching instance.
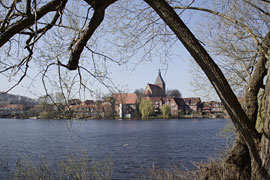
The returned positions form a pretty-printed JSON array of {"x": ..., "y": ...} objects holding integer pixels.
[{"x": 159, "y": 81}]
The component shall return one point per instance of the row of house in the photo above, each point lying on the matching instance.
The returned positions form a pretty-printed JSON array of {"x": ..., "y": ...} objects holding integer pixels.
[
  {"x": 8, "y": 110},
  {"x": 123, "y": 105},
  {"x": 126, "y": 103},
  {"x": 77, "y": 109}
]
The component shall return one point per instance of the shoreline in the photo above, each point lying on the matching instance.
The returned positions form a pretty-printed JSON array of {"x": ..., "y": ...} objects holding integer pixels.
[{"x": 120, "y": 119}]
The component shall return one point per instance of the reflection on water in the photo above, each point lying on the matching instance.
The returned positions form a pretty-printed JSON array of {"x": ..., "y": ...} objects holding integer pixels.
[{"x": 134, "y": 145}]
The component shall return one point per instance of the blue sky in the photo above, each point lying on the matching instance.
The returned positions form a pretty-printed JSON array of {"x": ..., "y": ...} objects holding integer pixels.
[{"x": 176, "y": 74}]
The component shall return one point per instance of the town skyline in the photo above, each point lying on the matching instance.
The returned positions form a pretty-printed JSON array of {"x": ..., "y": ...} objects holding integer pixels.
[{"x": 146, "y": 103}]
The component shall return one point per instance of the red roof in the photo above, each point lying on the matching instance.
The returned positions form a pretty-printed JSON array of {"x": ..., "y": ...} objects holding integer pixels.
[
  {"x": 15, "y": 106},
  {"x": 126, "y": 98}
]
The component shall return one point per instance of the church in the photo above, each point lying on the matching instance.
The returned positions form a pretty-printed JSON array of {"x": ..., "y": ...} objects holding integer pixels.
[
  {"x": 126, "y": 103},
  {"x": 156, "y": 93},
  {"x": 156, "y": 90}
]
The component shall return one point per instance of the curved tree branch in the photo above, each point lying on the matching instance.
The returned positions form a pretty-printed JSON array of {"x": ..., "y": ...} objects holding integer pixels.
[
  {"x": 28, "y": 21},
  {"x": 247, "y": 29},
  {"x": 80, "y": 43}
]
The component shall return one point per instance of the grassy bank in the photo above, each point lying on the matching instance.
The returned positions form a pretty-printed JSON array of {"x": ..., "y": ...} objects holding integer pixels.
[
  {"x": 72, "y": 167},
  {"x": 83, "y": 168}
]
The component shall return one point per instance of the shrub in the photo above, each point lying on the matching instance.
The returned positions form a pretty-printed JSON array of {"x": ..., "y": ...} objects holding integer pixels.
[
  {"x": 146, "y": 108},
  {"x": 166, "y": 111}
]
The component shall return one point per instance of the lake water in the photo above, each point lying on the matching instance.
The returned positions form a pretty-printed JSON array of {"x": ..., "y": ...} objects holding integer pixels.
[{"x": 133, "y": 145}]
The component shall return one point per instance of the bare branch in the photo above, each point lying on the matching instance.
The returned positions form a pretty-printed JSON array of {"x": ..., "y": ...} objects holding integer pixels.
[
  {"x": 83, "y": 39},
  {"x": 7, "y": 18},
  {"x": 103, "y": 55},
  {"x": 256, "y": 7},
  {"x": 23, "y": 76},
  {"x": 47, "y": 27},
  {"x": 99, "y": 78},
  {"x": 24, "y": 23},
  {"x": 81, "y": 82},
  {"x": 266, "y": 1},
  {"x": 43, "y": 80},
  {"x": 247, "y": 29},
  {"x": 28, "y": 7}
]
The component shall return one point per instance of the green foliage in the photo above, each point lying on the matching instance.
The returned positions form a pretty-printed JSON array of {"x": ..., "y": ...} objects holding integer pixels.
[
  {"x": 166, "y": 111},
  {"x": 146, "y": 108}
]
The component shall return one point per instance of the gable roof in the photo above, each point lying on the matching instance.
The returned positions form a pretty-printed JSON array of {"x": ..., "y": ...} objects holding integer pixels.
[
  {"x": 179, "y": 101},
  {"x": 126, "y": 98},
  {"x": 192, "y": 100},
  {"x": 154, "y": 87}
]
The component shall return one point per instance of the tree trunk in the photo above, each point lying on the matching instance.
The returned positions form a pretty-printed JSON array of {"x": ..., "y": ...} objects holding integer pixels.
[
  {"x": 262, "y": 171},
  {"x": 238, "y": 158},
  {"x": 237, "y": 164},
  {"x": 243, "y": 121}
]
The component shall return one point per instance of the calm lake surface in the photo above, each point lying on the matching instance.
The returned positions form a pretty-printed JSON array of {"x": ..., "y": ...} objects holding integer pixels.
[{"x": 133, "y": 145}]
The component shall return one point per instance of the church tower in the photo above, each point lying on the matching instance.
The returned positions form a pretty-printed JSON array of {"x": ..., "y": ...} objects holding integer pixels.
[
  {"x": 157, "y": 89},
  {"x": 161, "y": 83}
]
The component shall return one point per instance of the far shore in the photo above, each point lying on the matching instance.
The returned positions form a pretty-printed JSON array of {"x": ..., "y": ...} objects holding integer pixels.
[{"x": 118, "y": 118}]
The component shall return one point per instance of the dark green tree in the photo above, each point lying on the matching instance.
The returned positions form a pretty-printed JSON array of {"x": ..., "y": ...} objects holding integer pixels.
[{"x": 174, "y": 93}]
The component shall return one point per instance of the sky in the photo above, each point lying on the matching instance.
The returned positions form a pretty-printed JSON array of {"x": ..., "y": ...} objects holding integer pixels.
[{"x": 176, "y": 75}]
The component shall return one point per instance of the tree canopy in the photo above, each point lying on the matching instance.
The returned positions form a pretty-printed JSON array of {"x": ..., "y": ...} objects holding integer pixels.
[{"x": 174, "y": 93}]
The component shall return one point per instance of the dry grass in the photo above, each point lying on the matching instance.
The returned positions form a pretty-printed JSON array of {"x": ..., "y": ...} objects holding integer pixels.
[
  {"x": 82, "y": 168},
  {"x": 213, "y": 170}
]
